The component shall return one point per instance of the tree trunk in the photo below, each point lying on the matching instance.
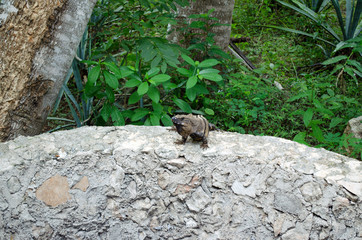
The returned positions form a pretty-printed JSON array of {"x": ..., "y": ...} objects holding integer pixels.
[
  {"x": 223, "y": 12},
  {"x": 38, "y": 40}
]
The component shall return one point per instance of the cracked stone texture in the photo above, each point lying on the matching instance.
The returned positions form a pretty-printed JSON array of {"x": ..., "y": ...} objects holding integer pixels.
[{"x": 132, "y": 182}]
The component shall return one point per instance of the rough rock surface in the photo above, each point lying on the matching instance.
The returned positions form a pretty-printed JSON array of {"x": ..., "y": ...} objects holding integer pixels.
[{"x": 134, "y": 183}]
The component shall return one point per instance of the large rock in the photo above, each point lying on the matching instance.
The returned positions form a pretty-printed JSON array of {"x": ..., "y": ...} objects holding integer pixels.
[{"x": 135, "y": 183}]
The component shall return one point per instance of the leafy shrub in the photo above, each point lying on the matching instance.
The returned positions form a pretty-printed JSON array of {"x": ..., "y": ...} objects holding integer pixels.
[{"x": 134, "y": 74}]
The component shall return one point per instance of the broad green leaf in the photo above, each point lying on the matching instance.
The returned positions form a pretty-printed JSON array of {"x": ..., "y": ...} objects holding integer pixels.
[
  {"x": 326, "y": 111},
  {"x": 163, "y": 67},
  {"x": 154, "y": 93},
  {"x": 156, "y": 61},
  {"x": 152, "y": 72},
  {"x": 142, "y": 89},
  {"x": 317, "y": 133},
  {"x": 110, "y": 94},
  {"x": 139, "y": 114},
  {"x": 208, "y": 63},
  {"x": 111, "y": 80},
  {"x": 300, "y": 138},
  {"x": 132, "y": 83},
  {"x": 157, "y": 107},
  {"x": 106, "y": 111},
  {"x": 350, "y": 72},
  {"x": 91, "y": 90},
  {"x": 335, "y": 122},
  {"x": 114, "y": 68},
  {"x": 184, "y": 106},
  {"x": 184, "y": 71},
  {"x": 330, "y": 92},
  {"x": 209, "y": 111},
  {"x": 200, "y": 89},
  {"x": 149, "y": 54},
  {"x": 209, "y": 70},
  {"x": 166, "y": 120},
  {"x": 155, "y": 120},
  {"x": 307, "y": 117},
  {"x": 197, "y": 24},
  {"x": 160, "y": 78},
  {"x": 94, "y": 74},
  {"x": 336, "y": 68},
  {"x": 134, "y": 98},
  {"x": 125, "y": 71},
  {"x": 358, "y": 73},
  {"x": 191, "y": 93},
  {"x": 191, "y": 82},
  {"x": 147, "y": 122},
  {"x": 300, "y": 95},
  {"x": 89, "y": 62},
  {"x": 355, "y": 63},
  {"x": 317, "y": 103},
  {"x": 188, "y": 59},
  {"x": 343, "y": 45},
  {"x": 197, "y": 112},
  {"x": 212, "y": 76},
  {"x": 334, "y": 60},
  {"x": 117, "y": 117}
]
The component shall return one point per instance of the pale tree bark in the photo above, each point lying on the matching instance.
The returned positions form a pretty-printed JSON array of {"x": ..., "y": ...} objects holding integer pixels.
[
  {"x": 38, "y": 40},
  {"x": 223, "y": 12}
]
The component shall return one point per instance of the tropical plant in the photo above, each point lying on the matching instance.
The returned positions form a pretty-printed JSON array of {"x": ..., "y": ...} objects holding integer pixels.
[
  {"x": 316, "y": 5},
  {"x": 345, "y": 63},
  {"x": 80, "y": 106},
  {"x": 350, "y": 27}
]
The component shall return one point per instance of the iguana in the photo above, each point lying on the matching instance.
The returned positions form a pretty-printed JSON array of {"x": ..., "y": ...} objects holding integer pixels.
[{"x": 195, "y": 126}]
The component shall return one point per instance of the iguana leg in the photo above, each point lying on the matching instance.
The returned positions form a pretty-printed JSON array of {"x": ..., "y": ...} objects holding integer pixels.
[
  {"x": 197, "y": 136},
  {"x": 182, "y": 141},
  {"x": 204, "y": 143}
]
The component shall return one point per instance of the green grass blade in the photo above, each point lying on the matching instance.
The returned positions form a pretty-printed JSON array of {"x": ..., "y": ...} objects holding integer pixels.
[
  {"x": 71, "y": 97},
  {"x": 74, "y": 113},
  {"x": 305, "y": 13},
  {"x": 358, "y": 30},
  {"x": 349, "y": 16},
  {"x": 83, "y": 45},
  {"x": 355, "y": 18},
  {"x": 76, "y": 73},
  {"x": 61, "y": 91},
  {"x": 60, "y": 119},
  {"x": 61, "y": 127},
  {"x": 339, "y": 16},
  {"x": 324, "y": 4},
  {"x": 301, "y": 33}
]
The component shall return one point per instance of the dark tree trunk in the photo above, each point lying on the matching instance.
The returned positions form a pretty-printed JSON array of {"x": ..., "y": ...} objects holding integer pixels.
[{"x": 38, "y": 41}]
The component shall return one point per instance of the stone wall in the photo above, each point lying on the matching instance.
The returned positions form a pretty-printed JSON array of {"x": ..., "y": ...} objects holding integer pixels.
[{"x": 135, "y": 183}]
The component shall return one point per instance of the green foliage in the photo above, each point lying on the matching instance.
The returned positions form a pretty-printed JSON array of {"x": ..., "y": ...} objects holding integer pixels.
[
  {"x": 324, "y": 114},
  {"x": 347, "y": 63},
  {"x": 131, "y": 74},
  {"x": 138, "y": 78},
  {"x": 312, "y": 113},
  {"x": 350, "y": 27}
]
